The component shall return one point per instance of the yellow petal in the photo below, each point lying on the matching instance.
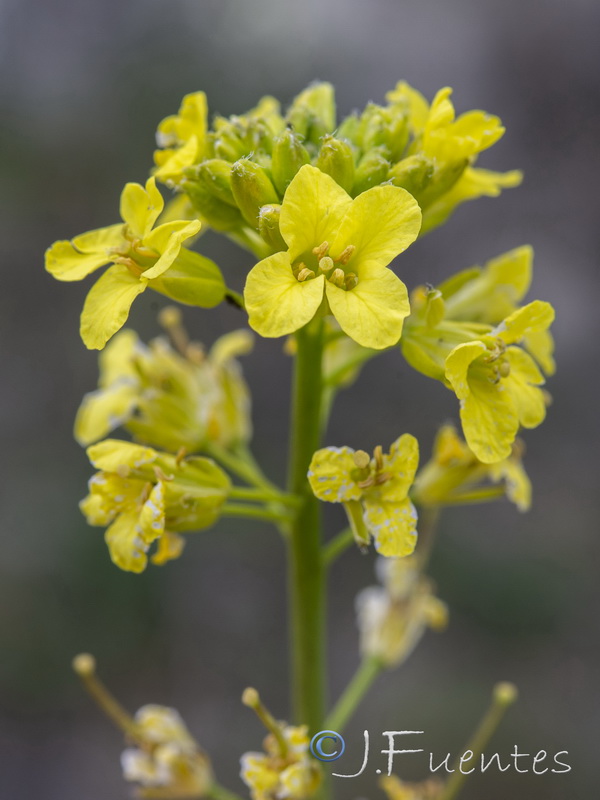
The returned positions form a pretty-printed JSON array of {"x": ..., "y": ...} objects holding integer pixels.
[
  {"x": 418, "y": 107},
  {"x": 312, "y": 209},
  {"x": 116, "y": 361},
  {"x": 401, "y": 464},
  {"x": 141, "y": 207},
  {"x": 167, "y": 240},
  {"x": 170, "y": 546},
  {"x": 171, "y": 163},
  {"x": 487, "y": 410},
  {"x": 113, "y": 455},
  {"x": 381, "y": 223},
  {"x": 524, "y": 381},
  {"x": 533, "y": 317},
  {"x": 152, "y": 515},
  {"x": 393, "y": 527},
  {"x": 104, "y": 410},
  {"x": 278, "y": 304},
  {"x": 374, "y": 311},
  {"x": 518, "y": 485},
  {"x": 331, "y": 475},
  {"x": 541, "y": 346},
  {"x": 126, "y": 546},
  {"x": 231, "y": 345},
  {"x": 107, "y": 305},
  {"x": 72, "y": 261}
]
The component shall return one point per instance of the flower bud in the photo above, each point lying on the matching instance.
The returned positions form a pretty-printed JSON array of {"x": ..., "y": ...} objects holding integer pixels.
[
  {"x": 289, "y": 154},
  {"x": 192, "y": 279},
  {"x": 413, "y": 174},
  {"x": 252, "y": 189},
  {"x": 372, "y": 170},
  {"x": 383, "y": 128},
  {"x": 268, "y": 227},
  {"x": 215, "y": 176},
  {"x": 442, "y": 180},
  {"x": 337, "y": 159},
  {"x": 312, "y": 114},
  {"x": 215, "y": 212}
]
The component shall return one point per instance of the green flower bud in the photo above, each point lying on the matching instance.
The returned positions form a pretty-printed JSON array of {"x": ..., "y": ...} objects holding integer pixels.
[
  {"x": 413, "y": 174},
  {"x": 289, "y": 154},
  {"x": 268, "y": 227},
  {"x": 337, "y": 159},
  {"x": 349, "y": 129},
  {"x": 372, "y": 170},
  {"x": 252, "y": 189},
  {"x": 312, "y": 114},
  {"x": 215, "y": 212},
  {"x": 215, "y": 177},
  {"x": 442, "y": 180},
  {"x": 384, "y": 128}
]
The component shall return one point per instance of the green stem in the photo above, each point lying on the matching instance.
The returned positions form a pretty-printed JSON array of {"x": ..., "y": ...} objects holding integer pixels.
[
  {"x": 336, "y": 546},
  {"x": 429, "y": 518},
  {"x": 306, "y": 573},
  {"x": 503, "y": 697},
  {"x": 259, "y": 495},
  {"x": 253, "y": 512},
  {"x": 368, "y": 670}
]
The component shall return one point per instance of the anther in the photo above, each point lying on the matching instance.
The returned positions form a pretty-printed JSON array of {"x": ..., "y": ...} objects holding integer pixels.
[
  {"x": 337, "y": 277},
  {"x": 304, "y": 274},
  {"x": 320, "y": 251},
  {"x": 361, "y": 459},
  {"x": 346, "y": 254},
  {"x": 504, "y": 369},
  {"x": 160, "y": 475},
  {"x": 350, "y": 281}
]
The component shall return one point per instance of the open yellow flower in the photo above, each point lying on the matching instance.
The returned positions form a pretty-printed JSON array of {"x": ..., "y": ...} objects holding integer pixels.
[
  {"x": 141, "y": 255},
  {"x": 498, "y": 384},
  {"x": 143, "y": 496},
  {"x": 337, "y": 257},
  {"x": 182, "y": 139},
  {"x": 374, "y": 492}
]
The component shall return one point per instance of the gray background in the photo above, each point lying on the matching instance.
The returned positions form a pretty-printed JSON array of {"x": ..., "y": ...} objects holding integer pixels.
[{"x": 84, "y": 84}]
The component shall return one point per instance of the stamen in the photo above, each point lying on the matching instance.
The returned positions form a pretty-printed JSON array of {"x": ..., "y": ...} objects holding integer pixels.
[
  {"x": 326, "y": 264},
  {"x": 321, "y": 250},
  {"x": 361, "y": 459},
  {"x": 346, "y": 254},
  {"x": 304, "y": 274},
  {"x": 338, "y": 277},
  {"x": 181, "y": 454},
  {"x": 504, "y": 369},
  {"x": 160, "y": 475},
  {"x": 251, "y": 698},
  {"x": 170, "y": 319},
  {"x": 378, "y": 456}
]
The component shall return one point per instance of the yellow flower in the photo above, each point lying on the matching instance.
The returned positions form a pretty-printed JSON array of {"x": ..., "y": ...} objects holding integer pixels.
[
  {"x": 455, "y": 475},
  {"x": 166, "y": 761},
  {"x": 142, "y": 255},
  {"x": 374, "y": 492},
  {"x": 490, "y": 293},
  {"x": 392, "y": 618},
  {"x": 168, "y": 399},
  {"x": 143, "y": 496},
  {"x": 337, "y": 260},
  {"x": 498, "y": 384},
  {"x": 183, "y": 138},
  {"x": 275, "y": 774}
]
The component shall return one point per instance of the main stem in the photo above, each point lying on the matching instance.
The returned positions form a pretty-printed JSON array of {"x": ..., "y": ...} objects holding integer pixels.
[{"x": 306, "y": 572}]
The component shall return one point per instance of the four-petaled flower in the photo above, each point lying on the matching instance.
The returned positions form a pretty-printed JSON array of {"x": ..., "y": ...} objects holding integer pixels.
[
  {"x": 374, "y": 492},
  {"x": 141, "y": 254},
  {"x": 336, "y": 262},
  {"x": 143, "y": 496}
]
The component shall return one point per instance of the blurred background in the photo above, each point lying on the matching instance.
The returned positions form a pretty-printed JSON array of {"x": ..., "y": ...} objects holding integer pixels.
[{"x": 84, "y": 85}]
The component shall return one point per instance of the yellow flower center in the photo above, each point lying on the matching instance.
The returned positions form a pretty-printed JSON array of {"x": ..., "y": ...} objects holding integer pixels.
[
  {"x": 370, "y": 470},
  {"x": 318, "y": 262}
]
